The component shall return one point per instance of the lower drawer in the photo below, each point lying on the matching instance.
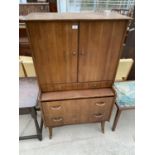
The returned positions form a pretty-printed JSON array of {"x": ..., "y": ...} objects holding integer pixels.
[
  {"x": 61, "y": 120},
  {"x": 77, "y": 111}
]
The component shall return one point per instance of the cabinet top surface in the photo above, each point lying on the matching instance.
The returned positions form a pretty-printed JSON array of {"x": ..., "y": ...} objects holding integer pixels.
[{"x": 74, "y": 16}]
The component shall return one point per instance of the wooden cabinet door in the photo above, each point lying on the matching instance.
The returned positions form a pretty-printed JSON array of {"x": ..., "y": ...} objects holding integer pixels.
[
  {"x": 54, "y": 45},
  {"x": 99, "y": 49}
]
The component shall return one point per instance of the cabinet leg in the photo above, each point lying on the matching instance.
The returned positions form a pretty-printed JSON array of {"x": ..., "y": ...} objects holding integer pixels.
[
  {"x": 50, "y": 132},
  {"x": 116, "y": 119},
  {"x": 102, "y": 126}
]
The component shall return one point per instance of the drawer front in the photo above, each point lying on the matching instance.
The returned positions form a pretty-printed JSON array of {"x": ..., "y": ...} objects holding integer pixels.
[
  {"x": 54, "y": 121},
  {"x": 77, "y": 111},
  {"x": 102, "y": 106},
  {"x": 62, "y": 120},
  {"x": 53, "y": 108},
  {"x": 97, "y": 117}
]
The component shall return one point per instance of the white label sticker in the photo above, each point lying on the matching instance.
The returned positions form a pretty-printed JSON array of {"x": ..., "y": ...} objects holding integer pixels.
[{"x": 74, "y": 26}]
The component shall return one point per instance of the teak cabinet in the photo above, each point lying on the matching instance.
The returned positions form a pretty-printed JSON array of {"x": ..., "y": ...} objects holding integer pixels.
[{"x": 76, "y": 52}]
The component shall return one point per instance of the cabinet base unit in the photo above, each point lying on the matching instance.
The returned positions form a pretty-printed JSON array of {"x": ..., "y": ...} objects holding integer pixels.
[{"x": 75, "y": 107}]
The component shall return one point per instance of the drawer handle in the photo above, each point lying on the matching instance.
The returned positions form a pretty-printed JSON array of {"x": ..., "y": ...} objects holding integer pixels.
[
  {"x": 58, "y": 107},
  {"x": 98, "y": 115},
  {"x": 101, "y": 104},
  {"x": 58, "y": 119}
]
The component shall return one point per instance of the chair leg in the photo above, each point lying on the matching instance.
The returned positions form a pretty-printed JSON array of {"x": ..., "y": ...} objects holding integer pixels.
[
  {"x": 102, "y": 126},
  {"x": 41, "y": 124},
  {"x": 116, "y": 119},
  {"x": 38, "y": 129}
]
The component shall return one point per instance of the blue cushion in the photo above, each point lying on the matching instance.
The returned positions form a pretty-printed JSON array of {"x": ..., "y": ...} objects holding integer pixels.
[{"x": 125, "y": 93}]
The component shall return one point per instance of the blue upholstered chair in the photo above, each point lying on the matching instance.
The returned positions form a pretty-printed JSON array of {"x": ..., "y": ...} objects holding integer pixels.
[{"x": 125, "y": 99}]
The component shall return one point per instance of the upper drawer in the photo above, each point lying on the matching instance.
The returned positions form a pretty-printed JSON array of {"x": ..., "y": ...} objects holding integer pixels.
[{"x": 69, "y": 108}]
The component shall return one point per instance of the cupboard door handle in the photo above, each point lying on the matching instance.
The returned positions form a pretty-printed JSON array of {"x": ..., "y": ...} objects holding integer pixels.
[
  {"x": 58, "y": 107},
  {"x": 58, "y": 119},
  {"x": 101, "y": 104},
  {"x": 82, "y": 52},
  {"x": 74, "y": 53},
  {"x": 98, "y": 115}
]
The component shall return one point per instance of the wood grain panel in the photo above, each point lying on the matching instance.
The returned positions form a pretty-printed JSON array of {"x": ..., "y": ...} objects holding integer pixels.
[
  {"x": 76, "y": 86},
  {"x": 99, "y": 49},
  {"x": 54, "y": 46}
]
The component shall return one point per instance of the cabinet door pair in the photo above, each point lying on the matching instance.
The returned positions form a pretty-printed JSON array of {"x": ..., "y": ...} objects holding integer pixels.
[{"x": 68, "y": 51}]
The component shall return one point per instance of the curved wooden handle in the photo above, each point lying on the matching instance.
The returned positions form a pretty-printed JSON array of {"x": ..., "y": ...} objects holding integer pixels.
[
  {"x": 58, "y": 107},
  {"x": 58, "y": 119},
  {"x": 81, "y": 52},
  {"x": 98, "y": 115},
  {"x": 74, "y": 53},
  {"x": 101, "y": 104}
]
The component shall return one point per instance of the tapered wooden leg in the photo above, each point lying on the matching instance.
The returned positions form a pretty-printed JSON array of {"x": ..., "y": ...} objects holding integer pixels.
[
  {"x": 116, "y": 119},
  {"x": 102, "y": 126},
  {"x": 50, "y": 132}
]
